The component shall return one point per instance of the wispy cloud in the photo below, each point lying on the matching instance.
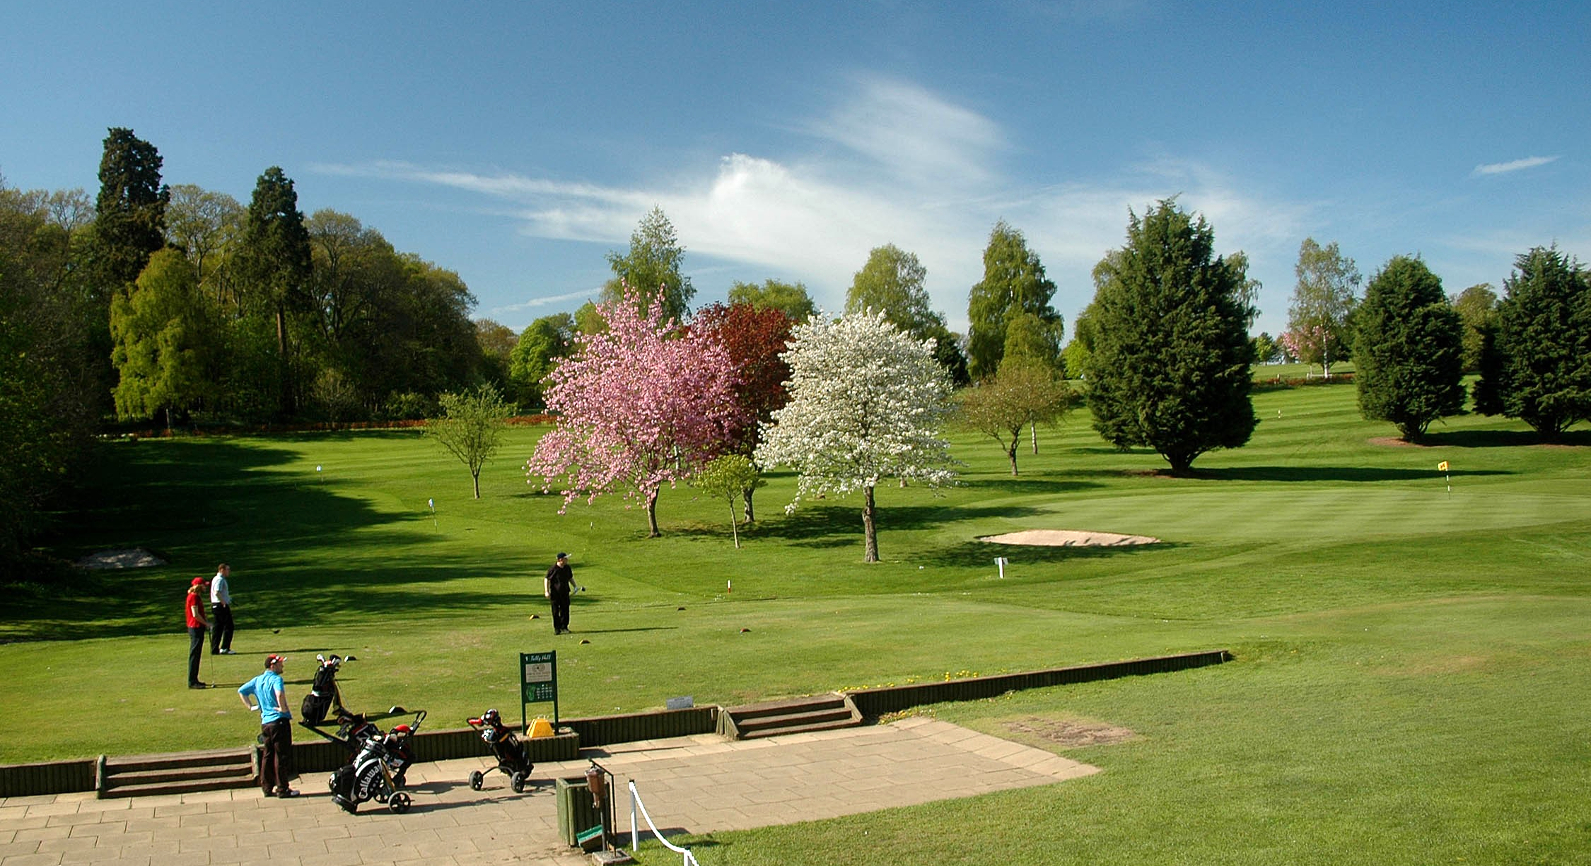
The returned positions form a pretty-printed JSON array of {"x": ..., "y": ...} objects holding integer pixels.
[
  {"x": 1515, "y": 165},
  {"x": 533, "y": 303},
  {"x": 913, "y": 133},
  {"x": 911, "y": 168}
]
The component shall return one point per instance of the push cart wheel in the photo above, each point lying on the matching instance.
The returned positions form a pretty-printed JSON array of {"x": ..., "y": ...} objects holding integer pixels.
[
  {"x": 477, "y": 779},
  {"x": 399, "y": 803},
  {"x": 517, "y": 781}
]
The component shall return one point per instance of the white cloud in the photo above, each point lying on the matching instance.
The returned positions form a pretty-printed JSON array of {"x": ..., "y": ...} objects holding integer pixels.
[
  {"x": 913, "y": 134},
  {"x": 533, "y": 303},
  {"x": 1515, "y": 165},
  {"x": 913, "y": 169}
]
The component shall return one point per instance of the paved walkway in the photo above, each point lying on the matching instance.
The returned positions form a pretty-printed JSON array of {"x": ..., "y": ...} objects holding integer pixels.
[{"x": 699, "y": 784}]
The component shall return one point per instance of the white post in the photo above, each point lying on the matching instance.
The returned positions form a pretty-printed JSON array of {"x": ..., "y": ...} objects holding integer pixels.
[
  {"x": 1000, "y": 561},
  {"x": 635, "y": 837}
]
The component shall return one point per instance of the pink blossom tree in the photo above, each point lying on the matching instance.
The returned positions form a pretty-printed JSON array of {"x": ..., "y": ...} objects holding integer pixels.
[{"x": 642, "y": 403}]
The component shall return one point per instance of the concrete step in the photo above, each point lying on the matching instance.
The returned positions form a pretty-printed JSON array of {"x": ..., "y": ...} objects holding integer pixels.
[
  {"x": 790, "y": 716},
  {"x": 180, "y": 773},
  {"x": 118, "y": 779},
  {"x": 140, "y": 763},
  {"x": 182, "y": 787},
  {"x": 788, "y": 705},
  {"x": 788, "y": 720},
  {"x": 800, "y": 729}
]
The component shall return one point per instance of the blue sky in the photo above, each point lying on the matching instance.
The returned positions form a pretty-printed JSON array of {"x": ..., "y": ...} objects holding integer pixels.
[{"x": 517, "y": 143}]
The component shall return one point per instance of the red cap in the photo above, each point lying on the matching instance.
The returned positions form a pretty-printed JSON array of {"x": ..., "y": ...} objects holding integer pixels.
[{"x": 199, "y": 581}]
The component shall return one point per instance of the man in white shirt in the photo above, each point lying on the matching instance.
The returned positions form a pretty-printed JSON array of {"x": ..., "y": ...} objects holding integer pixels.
[{"x": 221, "y": 612}]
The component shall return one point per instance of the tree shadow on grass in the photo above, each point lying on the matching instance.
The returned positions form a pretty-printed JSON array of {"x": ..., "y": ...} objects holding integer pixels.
[
  {"x": 1355, "y": 474},
  {"x": 840, "y": 524},
  {"x": 1035, "y": 484},
  {"x": 218, "y": 495},
  {"x": 298, "y": 593},
  {"x": 1503, "y": 439}
]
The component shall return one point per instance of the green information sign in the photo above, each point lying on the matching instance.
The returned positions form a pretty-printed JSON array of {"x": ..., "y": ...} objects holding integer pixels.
[{"x": 538, "y": 683}]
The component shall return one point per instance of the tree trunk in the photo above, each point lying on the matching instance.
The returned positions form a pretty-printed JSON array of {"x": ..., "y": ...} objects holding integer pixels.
[
  {"x": 651, "y": 514},
  {"x": 1034, "y": 427},
  {"x": 735, "y": 530},
  {"x": 869, "y": 531},
  {"x": 749, "y": 515},
  {"x": 284, "y": 370},
  {"x": 476, "y": 477},
  {"x": 1010, "y": 452}
]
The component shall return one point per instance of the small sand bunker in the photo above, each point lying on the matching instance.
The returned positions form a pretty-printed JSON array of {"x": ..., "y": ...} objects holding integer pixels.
[
  {"x": 1068, "y": 538},
  {"x": 135, "y": 557}
]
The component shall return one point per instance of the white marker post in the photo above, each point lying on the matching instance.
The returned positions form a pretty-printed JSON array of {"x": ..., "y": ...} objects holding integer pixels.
[
  {"x": 1000, "y": 562},
  {"x": 432, "y": 503}
]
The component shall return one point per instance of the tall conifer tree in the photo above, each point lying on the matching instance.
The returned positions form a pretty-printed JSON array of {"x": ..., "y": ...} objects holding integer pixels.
[
  {"x": 1170, "y": 366},
  {"x": 1409, "y": 348}
]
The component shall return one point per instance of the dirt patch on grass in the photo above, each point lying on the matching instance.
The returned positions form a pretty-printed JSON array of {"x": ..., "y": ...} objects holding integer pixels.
[
  {"x": 1442, "y": 665},
  {"x": 1068, "y": 733},
  {"x": 133, "y": 557},
  {"x": 1068, "y": 538}
]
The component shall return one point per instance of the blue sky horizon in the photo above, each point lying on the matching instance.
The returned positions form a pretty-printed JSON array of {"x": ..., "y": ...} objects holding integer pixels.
[{"x": 518, "y": 143}]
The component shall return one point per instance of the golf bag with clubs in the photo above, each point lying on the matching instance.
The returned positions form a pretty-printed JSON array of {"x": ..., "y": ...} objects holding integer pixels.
[
  {"x": 324, "y": 698},
  {"x": 376, "y": 772},
  {"x": 513, "y": 753}
]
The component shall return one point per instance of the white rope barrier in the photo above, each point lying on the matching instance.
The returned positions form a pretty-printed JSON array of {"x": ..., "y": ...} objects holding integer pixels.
[{"x": 635, "y": 836}]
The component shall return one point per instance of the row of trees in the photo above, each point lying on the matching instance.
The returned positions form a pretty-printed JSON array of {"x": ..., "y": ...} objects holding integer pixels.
[
  {"x": 1322, "y": 320},
  {"x": 151, "y": 301},
  {"x": 646, "y": 401},
  {"x": 1412, "y": 343}
]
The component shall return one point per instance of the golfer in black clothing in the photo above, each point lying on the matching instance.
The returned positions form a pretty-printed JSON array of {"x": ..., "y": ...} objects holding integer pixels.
[{"x": 556, "y": 585}]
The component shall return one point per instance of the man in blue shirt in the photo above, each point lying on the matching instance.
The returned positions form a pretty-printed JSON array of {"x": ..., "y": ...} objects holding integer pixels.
[{"x": 276, "y": 727}]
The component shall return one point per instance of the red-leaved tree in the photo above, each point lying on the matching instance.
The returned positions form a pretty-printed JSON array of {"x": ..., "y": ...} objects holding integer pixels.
[
  {"x": 755, "y": 339},
  {"x": 638, "y": 405}
]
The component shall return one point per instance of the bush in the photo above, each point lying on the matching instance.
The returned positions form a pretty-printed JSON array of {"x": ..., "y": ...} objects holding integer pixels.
[{"x": 408, "y": 406}]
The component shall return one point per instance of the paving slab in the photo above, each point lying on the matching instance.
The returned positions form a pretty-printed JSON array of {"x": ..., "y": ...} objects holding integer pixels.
[{"x": 701, "y": 784}]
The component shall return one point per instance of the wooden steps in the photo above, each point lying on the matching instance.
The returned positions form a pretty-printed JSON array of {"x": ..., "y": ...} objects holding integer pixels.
[
  {"x": 793, "y": 716},
  {"x": 181, "y": 773}
]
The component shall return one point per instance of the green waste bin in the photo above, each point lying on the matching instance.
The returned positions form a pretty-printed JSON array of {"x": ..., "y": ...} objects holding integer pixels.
[{"x": 575, "y": 812}]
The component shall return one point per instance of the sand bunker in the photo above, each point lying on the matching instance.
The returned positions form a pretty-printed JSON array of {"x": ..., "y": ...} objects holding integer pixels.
[
  {"x": 135, "y": 557},
  {"x": 1068, "y": 538}
]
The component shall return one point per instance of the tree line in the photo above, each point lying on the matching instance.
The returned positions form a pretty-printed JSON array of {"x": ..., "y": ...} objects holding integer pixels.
[
  {"x": 176, "y": 304},
  {"x": 181, "y": 305}
]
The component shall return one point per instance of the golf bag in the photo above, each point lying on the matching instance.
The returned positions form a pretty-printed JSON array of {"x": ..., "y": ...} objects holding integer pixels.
[
  {"x": 323, "y": 698},
  {"x": 376, "y": 772},
  {"x": 513, "y": 753}
]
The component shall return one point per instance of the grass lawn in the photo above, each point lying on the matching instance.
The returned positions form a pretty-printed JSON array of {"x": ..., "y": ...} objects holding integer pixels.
[{"x": 1412, "y": 680}]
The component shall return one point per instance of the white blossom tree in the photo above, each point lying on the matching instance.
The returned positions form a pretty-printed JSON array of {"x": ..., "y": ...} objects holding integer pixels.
[{"x": 866, "y": 403}]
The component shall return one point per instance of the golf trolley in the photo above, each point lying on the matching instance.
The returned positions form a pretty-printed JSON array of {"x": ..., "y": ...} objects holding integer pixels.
[
  {"x": 513, "y": 753},
  {"x": 379, "y": 763}
]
